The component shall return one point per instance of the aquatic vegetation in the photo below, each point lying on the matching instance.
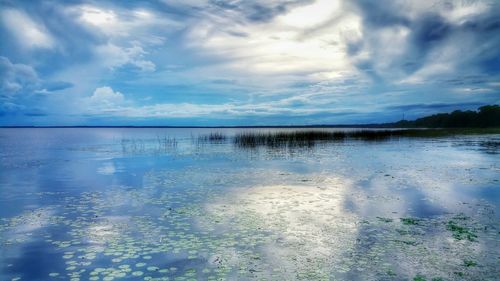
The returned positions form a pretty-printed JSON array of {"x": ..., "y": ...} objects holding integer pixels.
[
  {"x": 311, "y": 137},
  {"x": 137, "y": 273},
  {"x": 152, "y": 145},
  {"x": 385, "y": 219},
  {"x": 412, "y": 243},
  {"x": 419, "y": 278},
  {"x": 410, "y": 221},
  {"x": 213, "y": 137},
  {"x": 460, "y": 232},
  {"x": 258, "y": 216},
  {"x": 261, "y": 225},
  {"x": 469, "y": 263},
  {"x": 391, "y": 273}
]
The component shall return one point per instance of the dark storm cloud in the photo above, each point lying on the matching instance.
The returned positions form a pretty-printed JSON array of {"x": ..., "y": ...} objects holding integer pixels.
[
  {"x": 381, "y": 13},
  {"x": 478, "y": 35},
  {"x": 366, "y": 66},
  {"x": 257, "y": 11},
  {"x": 427, "y": 33}
]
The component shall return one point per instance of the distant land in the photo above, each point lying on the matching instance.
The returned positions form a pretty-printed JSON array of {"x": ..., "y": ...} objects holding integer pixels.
[{"x": 487, "y": 116}]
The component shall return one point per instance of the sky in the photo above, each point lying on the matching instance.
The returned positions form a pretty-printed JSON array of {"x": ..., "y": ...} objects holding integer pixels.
[{"x": 241, "y": 62}]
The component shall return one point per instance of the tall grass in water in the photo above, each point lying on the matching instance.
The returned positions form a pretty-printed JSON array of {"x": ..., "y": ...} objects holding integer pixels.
[
  {"x": 158, "y": 145},
  {"x": 311, "y": 137},
  {"x": 305, "y": 138},
  {"x": 213, "y": 137},
  {"x": 281, "y": 139},
  {"x": 166, "y": 143}
]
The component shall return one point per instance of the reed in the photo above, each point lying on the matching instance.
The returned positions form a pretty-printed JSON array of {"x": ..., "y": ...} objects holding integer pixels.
[
  {"x": 311, "y": 137},
  {"x": 213, "y": 137},
  {"x": 159, "y": 145}
]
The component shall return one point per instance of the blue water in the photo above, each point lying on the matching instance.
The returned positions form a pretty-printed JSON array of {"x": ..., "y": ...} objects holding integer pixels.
[{"x": 159, "y": 204}]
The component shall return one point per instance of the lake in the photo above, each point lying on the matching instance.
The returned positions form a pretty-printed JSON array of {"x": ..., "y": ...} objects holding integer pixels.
[{"x": 171, "y": 204}]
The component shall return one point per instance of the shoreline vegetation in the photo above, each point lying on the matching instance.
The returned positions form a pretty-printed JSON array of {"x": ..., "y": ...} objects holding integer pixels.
[
  {"x": 312, "y": 137},
  {"x": 486, "y": 120},
  {"x": 301, "y": 138}
]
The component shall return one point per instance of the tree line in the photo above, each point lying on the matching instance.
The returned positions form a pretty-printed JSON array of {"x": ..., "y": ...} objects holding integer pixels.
[{"x": 484, "y": 117}]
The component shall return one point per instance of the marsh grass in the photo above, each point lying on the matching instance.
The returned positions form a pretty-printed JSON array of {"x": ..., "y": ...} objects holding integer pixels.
[
  {"x": 159, "y": 145},
  {"x": 309, "y": 138},
  {"x": 213, "y": 137},
  {"x": 300, "y": 139},
  {"x": 166, "y": 143}
]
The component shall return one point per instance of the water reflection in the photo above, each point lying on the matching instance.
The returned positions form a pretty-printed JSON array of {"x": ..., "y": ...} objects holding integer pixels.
[
  {"x": 307, "y": 223},
  {"x": 491, "y": 146},
  {"x": 84, "y": 204}
]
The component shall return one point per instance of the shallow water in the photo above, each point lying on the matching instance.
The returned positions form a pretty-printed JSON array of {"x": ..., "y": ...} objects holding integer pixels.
[{"x": 135, "y": 204}]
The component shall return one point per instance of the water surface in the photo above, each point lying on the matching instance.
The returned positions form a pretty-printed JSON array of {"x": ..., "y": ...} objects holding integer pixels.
[{"x": 159, "y": 204}]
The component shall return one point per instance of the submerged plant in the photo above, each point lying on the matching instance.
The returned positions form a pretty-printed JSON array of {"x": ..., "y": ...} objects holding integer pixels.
[
  {"x": 410, "y": 221},
  {"x": 390, "y": 272},
  {"x": 419, "y": 278},
  {"x": 460, "y": 232},
  {"x": 469, "y": 263},
  {"x": 213, "y": 137},
  {"x": 385, "y": 219}
]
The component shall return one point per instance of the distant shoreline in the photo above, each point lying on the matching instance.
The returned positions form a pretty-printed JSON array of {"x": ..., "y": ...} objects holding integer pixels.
[
  {"x": 381, "y": 126},
  {"x": 487, "y": 116}
]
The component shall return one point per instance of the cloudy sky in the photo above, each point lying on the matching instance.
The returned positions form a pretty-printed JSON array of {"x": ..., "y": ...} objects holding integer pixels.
[{"x": 236, "y": 62}]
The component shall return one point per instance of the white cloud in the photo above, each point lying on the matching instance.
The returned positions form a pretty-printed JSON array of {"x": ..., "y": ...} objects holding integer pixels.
[
  {"x": 281, "y": 45},
  {"x": 444, "y": 60},
  {"x": 129, "y": 34},
  {"x": 225, "y": 110},
  {"x": 113, "y": 56},
  {"x": 386, "y": 49},
  {"x": 123, "y": 23},
  {"x": 301, "y": 17},
  {"x": 462, "y": 11},
  {"x": 145, "y": 65},
  {"x": 266, "y": 58},
  {"x": 106, "y": 97},
  {"x": 454, "y": 11},
  {"x": 98, "y": 17},
  {"x": 29, "y": 34}
]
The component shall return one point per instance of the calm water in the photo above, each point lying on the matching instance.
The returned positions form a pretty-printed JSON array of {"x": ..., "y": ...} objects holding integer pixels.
[{"x": 135, "y": 204}]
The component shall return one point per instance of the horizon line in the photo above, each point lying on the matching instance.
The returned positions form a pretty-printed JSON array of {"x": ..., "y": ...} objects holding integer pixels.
[{"x": 195, "y": 126}]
